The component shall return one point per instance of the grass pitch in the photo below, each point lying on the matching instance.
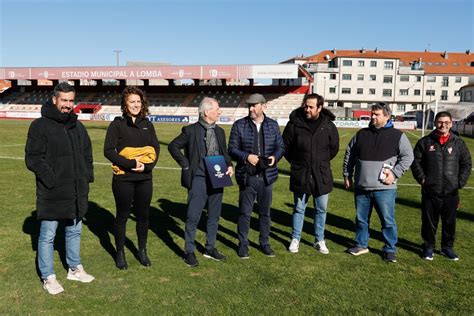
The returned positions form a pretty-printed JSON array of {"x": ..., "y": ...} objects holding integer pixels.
[{"x": 303, "y": 283}]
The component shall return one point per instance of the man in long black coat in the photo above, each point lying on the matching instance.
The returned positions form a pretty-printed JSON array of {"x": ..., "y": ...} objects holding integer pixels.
[
  {"x": 58, "y": 151},
  {"x": 311, "y": 141}
]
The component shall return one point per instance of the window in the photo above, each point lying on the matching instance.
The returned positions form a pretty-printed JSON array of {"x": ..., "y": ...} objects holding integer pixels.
[
  {"x": 417, "y": 92},
  {"x": 456, "y": 93},
  {"x": 403, "y": 91},
  {"x": 444, "y": 95},
  {"x": 360, "y": 77},
  {"x": 332, "y": 64},
  {"x": 347, "y": 62},
  {"x": 332, "y": 76},
  {"x": 445, "y": 82},
  {"x": 467, "y": 96},
  {"x": 332, "y": 90},
  {"x": 414, "y": 107},
  {"x": 458, "y": 79},
  {"x": 404, "y": 78},
  {"x": 387, "y": 79},
  {"x": 360, "y": 91},
  {"x": 388, "y": 65},
  {"x": 431, "y": 79},
  {"x": 361, "y": 63},
  {"x": 401, "y": 107},
  {"x": 331, "y": 104},
  {"x": 387, "y": 92},
  {"x": 430, "y": 92},
  {"x": 356, "y": 105},
  {"x": 418, "y": 78},
  {"x": 346, "y": 77},
  {"x": 346, "y": 91},
  {"x": 372, "y": 91},
  {"x": 373, "y": 77},
  {"x": 373, "y": 63}
]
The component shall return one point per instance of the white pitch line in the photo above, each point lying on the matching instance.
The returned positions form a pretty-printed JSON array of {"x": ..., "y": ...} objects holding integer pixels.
[
  {"x": 174, "y": 168},
  {"x": 12, "y": 145},
  {"x": 418, "y": 137}
]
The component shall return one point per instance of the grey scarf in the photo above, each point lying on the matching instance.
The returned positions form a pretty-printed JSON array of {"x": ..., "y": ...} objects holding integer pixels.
[{"x": 211, "y": 139}]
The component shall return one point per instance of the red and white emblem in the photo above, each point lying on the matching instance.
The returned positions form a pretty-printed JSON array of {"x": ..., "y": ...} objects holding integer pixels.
[
  {"x": 432, "y": 148},
  {"x": 450, "y": 150}
]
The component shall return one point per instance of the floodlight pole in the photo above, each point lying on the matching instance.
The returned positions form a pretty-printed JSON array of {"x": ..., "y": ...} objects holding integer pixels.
[{"x": 118, "y": 51}]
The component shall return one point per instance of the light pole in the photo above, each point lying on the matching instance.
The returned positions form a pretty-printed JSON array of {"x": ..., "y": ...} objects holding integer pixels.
[{"x": 118, "y": 51}]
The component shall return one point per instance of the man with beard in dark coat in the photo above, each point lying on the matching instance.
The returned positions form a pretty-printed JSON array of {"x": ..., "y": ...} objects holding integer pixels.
[
  {"x": 442, "y": 166},
  {"x": 59, "y": 152},
  {"x": 311, "y": 141}
]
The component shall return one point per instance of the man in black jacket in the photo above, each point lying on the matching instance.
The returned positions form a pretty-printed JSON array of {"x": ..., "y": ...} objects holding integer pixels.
[
  {"x": 311, "y": 141},
  {"x": 59, "y": 152},
  {"x": 442, "y": 166},
  {"x": 198, "y": 140},
  {"x": 256, "y": 144}
]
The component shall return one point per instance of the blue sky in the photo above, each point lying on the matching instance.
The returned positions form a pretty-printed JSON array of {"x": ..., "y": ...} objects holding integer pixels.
[{"x": 192, "y": 32}]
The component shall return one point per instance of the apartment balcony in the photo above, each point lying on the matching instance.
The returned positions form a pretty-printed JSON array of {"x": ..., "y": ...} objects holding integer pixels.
[{"x": 410, "y": 71}]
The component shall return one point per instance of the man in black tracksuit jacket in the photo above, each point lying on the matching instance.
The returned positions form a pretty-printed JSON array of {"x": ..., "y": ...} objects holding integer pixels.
[{"x": 442, "y": 166}]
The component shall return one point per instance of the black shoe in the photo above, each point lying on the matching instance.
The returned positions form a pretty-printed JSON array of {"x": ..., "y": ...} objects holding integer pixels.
[
  {"x": 267, "y": 251},
  {"x": 120, "y": 261},
  {"x": 390, "y": 257},
  {"x": 190, "y": 259},
  {"x": 243, "y": 252},
  {"x": 448, "y": 252},
  {"x": 427, "y": 253},
  {"x": 214, "y": 254},
  {"x": 143, "y": 257}
]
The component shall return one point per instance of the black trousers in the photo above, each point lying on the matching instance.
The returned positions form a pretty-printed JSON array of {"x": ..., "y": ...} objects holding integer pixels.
[
  {"x": 255, "y": 190},
  {"x": 201, "y": 193},
  {"x": 136, "y": 196},
  {"x": 432, "y": 208}
]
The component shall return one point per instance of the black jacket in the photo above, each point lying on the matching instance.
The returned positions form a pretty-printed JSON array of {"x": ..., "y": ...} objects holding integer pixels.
[
  {"x": 122, "y": 132},
  {"x": 310, "y": 153},
  {"x": 191, "y": 141},
  {"x": 58, "y": 150},
  {"x": 444, "y": 168}
]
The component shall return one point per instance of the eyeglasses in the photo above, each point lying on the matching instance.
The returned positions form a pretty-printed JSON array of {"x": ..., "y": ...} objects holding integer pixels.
[{"x": 443, "y": 122}]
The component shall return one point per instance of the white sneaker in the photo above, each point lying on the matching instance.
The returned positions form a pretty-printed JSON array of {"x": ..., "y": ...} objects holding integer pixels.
[
  {"x": 79, "y": 274},
  {"x": 294, "y": 245},
  {"x": 52, "y": 285},
  {"x": 321, "y": 247}
]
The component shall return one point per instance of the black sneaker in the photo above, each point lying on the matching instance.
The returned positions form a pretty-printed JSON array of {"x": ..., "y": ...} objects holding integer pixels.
[
  {"x": 214, "y": 254},
  {"x": 448, "y": 252},
  {"x": 427, "y": 253},
  {"x": 243, "y": 252},
  {"x": 267, "y": 251},
  {"x": 390, "y": 257},
  {"x": 190, "y": 259}
]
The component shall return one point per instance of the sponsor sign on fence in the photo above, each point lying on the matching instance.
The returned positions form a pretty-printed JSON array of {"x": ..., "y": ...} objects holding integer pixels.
[{"x": 168, "y": 119}]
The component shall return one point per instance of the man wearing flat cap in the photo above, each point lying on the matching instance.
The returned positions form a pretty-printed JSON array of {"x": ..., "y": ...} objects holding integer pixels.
[{"x": 256, "y": 144}]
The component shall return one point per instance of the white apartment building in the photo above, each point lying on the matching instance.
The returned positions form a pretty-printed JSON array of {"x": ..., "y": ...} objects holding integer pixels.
[{"x": 355, "y": 79}]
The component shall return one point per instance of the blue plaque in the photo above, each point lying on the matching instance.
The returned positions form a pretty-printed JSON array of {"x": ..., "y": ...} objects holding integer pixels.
[{"x": 216, "y": 169}]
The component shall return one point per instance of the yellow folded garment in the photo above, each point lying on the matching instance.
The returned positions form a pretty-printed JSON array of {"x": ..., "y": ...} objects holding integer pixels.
[{"x": 147, "y": 154}]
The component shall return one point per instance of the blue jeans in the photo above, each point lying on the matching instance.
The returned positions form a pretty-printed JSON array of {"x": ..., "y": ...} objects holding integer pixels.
[
  {"x": 46, "y": 245},
  {"x": 320, "y": 211},
  {"x": 384, "y": 203}
]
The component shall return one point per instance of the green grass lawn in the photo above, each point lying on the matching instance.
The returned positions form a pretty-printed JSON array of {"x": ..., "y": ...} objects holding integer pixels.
[{"x": 302, "y": 283}]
